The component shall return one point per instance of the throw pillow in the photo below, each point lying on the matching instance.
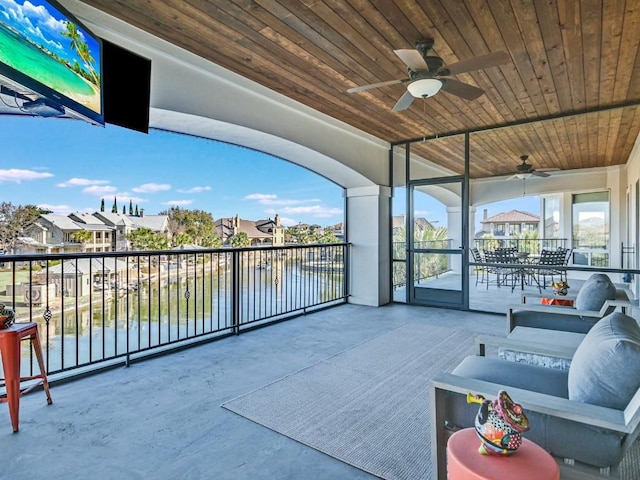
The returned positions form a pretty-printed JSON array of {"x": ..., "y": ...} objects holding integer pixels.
[
  {"x": 605, "y": 369},
  {"x": 594, "y": 293}
]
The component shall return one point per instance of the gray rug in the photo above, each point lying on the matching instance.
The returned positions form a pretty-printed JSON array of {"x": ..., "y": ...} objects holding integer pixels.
[{"x": 367, "y": 406}]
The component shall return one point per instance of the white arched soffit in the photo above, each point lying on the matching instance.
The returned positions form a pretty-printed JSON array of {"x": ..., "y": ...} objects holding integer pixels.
[
  {"x": 245, "y": 137},
  {"x": 489, "y": 190},
  {"x": 194, "y": 96}
]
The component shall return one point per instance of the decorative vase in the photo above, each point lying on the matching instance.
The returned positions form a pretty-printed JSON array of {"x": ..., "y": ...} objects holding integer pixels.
[
  {"x": 499, "y": 424},
  {"x": 560, "y": 288}
]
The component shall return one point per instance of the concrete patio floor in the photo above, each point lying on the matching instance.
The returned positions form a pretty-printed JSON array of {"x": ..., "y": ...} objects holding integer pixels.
[{"x": 161, "y": 418}]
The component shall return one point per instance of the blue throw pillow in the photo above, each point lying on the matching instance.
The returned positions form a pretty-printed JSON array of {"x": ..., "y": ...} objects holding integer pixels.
[
  {"x": 603, "y": 277},
  {"x": 594, "y": 293},
  {"x": 605, "y": 369}
]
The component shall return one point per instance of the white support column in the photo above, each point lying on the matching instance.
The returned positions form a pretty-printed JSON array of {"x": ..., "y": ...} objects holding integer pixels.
[{"x": 368, "y": 218}]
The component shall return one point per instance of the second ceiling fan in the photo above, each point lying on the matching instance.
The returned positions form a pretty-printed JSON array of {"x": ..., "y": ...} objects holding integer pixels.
[{"x": 428, "y": 74}]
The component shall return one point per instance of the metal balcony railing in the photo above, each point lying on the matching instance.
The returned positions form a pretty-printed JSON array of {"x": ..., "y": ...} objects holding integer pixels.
[{"x": 99, "y": 309}]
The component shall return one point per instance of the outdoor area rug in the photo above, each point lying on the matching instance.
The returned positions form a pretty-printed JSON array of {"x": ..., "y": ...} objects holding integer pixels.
[{"x": 367, "y": 406}]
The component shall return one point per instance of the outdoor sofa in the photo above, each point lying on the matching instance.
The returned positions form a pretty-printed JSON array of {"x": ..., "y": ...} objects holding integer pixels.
[{"x": 587, "y": 417}]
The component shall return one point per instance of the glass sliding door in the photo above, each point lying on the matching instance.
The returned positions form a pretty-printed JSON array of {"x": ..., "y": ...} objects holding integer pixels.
[{"x": 435, "y": 242}]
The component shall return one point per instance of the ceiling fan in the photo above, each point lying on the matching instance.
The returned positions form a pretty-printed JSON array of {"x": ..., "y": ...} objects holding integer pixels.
[
  {"x": 427, "y": 74},
  {"x": 526, "y": 170}
]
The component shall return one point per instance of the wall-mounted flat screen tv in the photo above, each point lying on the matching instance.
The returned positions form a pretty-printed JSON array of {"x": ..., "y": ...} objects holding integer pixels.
[{"x": 47, "y": 51}]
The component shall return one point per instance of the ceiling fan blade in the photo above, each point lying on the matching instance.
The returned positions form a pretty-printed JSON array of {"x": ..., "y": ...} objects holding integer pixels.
[
  {"x": 375, "y": 85},
  {"x": 404, "y": 102},
  {"x": 476, "y": 63},
  {"x": 540, "y": 174},
  {"x": 463, "y": 90},
  {"x": 412, "y": 59}
]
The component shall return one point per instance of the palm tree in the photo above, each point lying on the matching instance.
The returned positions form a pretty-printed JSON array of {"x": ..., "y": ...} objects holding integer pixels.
[
  {"x": 82, "y": 237},
  {"x": 240, "y": 239},
  {"x": 82, "y": 48}
]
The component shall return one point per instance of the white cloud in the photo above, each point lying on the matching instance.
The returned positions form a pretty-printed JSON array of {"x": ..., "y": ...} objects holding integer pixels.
[
  {"x": 18, "y": 175},
  {"x": 152, "y": 188},
  {"x": 100, "y": 191},
  {"x": 288, "y": 222},
  {"x": 126, "y": 197},
  {"x": 272, "y": 199},
  {"x": 57, "y": 209},
  {"x": 261, "y": 197},
  {"x": 193, "y": 189},
  {"x": 178, "y": 203},
  {"x": 81, "y": 182},
  {"x": 317, "y": 211}
]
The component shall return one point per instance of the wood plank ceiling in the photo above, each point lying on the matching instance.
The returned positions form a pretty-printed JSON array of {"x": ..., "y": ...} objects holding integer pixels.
[{"x": 568, "y": 96}]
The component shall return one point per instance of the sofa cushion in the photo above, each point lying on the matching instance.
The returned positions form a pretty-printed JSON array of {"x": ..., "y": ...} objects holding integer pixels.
[
  {"x": 594, "y": 293},
  {"x": 605, "y": 369},
  {"x": 535, "y": 378}
]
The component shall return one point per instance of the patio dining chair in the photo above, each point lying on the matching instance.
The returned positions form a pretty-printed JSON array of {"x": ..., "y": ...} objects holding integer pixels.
[
  {"x": 550, "y": 263},
  {"x": 495, "y": 258},
  {"x": 480, "y": 270}
]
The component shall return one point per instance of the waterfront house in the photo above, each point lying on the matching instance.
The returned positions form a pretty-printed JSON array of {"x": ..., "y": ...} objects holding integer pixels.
[{"x": 513, "y": 223}]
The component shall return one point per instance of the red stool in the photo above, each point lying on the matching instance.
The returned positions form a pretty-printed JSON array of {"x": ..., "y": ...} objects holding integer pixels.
[
  {"x": 10, "y": 339},
  {"x": 464, "y": 462}
]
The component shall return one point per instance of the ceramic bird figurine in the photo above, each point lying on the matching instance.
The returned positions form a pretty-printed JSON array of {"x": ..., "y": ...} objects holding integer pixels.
[
  {"x": 7, "y": 316},
  {"x": 499, "y": 424}
]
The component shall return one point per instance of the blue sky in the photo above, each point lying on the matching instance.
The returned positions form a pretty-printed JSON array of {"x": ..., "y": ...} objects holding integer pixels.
[{"x": 69, "y": 165}]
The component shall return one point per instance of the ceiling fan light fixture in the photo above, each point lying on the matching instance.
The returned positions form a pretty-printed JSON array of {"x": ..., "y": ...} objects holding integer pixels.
[
  {"x": 425, "y": 87},
  {"x": 523, "y": 176}
]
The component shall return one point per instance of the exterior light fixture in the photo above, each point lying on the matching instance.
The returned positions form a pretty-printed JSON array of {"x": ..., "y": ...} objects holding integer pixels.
[{"x": 425, "y": 87}]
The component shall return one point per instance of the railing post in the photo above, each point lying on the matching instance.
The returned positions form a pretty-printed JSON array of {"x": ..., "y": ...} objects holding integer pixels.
[{"x": 235, "y": 291}]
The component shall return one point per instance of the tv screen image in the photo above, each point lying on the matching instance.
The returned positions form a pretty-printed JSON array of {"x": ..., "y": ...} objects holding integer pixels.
[{"x": 48, "y": 51}]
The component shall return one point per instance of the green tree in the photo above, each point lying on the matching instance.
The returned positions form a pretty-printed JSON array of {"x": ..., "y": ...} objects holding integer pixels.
[
  {"x": 13, "y": 221},
  {"x": 197, "y": 224},
  {"x": 328, "y": 237},
  {"x": 102, "y": 205},
  {"x": 299, "y": 235},
  {"x": 182, "y": 238},
  {"x": 137, "y": 211},
  {"x": 130, "y": 207},
  {"x": 114, "y": 208},
  {"x": 124, "y": 210},
  {"x": 146, "y": 239},
  {"x": 82, "y": 237},
  {"x": 433, "y": 265},
  {"x": 239, "y": 240},
  {"x": 211, "y": 241}
]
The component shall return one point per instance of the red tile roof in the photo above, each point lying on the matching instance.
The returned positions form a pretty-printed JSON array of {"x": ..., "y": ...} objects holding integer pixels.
[{"x": 514, "y": 216}]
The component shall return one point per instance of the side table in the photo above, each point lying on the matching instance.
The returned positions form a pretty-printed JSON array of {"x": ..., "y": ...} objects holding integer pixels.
[
  {"x": 464, "y": 462},
  {"x": 556, "y": 301},
  {"x": 10, "y": 339}
]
